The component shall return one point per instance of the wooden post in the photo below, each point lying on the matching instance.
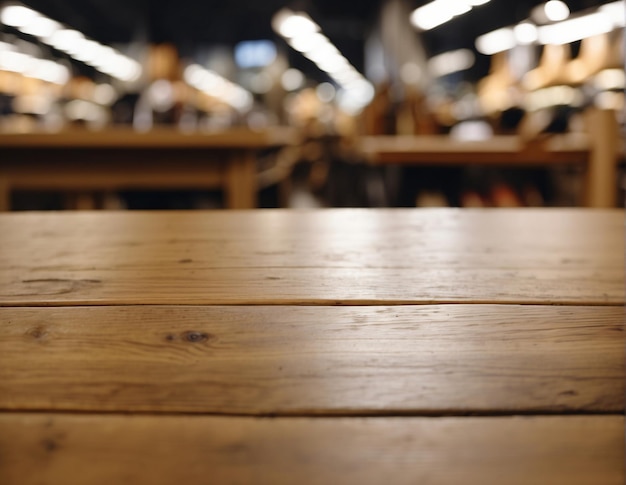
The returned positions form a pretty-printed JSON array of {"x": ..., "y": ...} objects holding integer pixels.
[
  {"x": 5, "y": 195},
  {"x": 240, "y": 181},
  {"x": 601, "y": 181}
]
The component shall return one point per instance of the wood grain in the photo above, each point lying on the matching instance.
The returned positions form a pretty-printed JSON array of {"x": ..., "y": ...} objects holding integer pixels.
[
  {"x": 97, "y": 449},
  {"x": 314, "y": 360},
  {"x": 349, "y": 257}
]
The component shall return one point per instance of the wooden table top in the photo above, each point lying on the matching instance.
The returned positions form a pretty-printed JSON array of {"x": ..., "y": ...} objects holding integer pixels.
[
  {"x": 329, "y": 346},
  {"x": 335, "y": 257},
  {"x": 158, "y": 137},
  {"x": 498, "y": 150}
]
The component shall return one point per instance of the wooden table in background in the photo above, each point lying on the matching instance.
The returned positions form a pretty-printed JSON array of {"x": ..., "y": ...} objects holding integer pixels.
[
  {"x": 598, "y": 152},
  {"x": 336, "y": 346},
  {"x": 121, "y": 159}
]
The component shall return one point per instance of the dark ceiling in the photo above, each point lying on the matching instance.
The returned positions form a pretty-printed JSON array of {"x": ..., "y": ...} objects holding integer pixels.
[{"x": 192, "y": 24}]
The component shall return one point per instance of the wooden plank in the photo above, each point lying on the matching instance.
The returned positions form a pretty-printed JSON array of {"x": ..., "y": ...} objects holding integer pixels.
[
  {"x": 115, "y": 174},
  {"x": 366, "y": 257},
  {"x": 97, "y": 449},
  {"x": 499, "y": 150},
  {"x": 157, "y": 138},
  {"x": 349, "y": 361}
]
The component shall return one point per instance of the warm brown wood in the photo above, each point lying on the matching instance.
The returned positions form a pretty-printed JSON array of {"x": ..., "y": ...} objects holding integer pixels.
[
  {"x": 5, "y": 194},
  {"x": 237, "y": 138},
  {"x": 598, "y": 151},
  {"x": 602, "y": 185},
  {"x": 241, "y": 184},
  {"x": 125, "y": 450},
  {"x": 453, "y": 359},
  {"x": 560, "y": 256},
  {"x": 122, "y": 159},
  {"x": 112, "y": 172},
  {"x": 500, "y": 150}
]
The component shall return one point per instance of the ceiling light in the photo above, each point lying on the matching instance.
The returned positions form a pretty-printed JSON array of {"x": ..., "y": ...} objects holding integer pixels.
[
  {"x": 86, "y": 51},
  {"x": 439, "y": 12},
  {"x": 576, "y": 29},
  {"x": 616, "y": 11},
  {"x": 556, "y": 10},
  {"x": 290, "y": 24},
  {"x": 496, "y": 41},
  {"x": 218, "y": 87},
  {"x": 41, "y": 27},
  {"x": 308, "y": 42},
  {"x": 48, "y": 71},
  {"x": 525, "y": 33},
  {"x": 334, "y": 64},
  {"x": 72, "y": 42},
  {"x": 64, "y": 40},
  {"x": 304, "y": 35},
  {"x": 15, "y": 62},
  {"x": 17, "y": 15}
]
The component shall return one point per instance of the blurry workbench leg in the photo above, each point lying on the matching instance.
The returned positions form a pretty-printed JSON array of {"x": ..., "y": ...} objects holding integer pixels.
[
  {"x": 5, "y": 195},
  {"x": 240, "y": 183},
  {"x": 602, "y": 169}
]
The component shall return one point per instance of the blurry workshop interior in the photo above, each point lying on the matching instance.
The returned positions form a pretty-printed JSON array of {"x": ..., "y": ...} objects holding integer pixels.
[{"x": 376, "y": 103}]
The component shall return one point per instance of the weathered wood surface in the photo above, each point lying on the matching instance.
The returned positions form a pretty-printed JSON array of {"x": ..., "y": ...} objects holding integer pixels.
[
  {"x": 353, "y": 257},
  {"x": 351, "y": 361},
  {"x": 125, "y": 450}
]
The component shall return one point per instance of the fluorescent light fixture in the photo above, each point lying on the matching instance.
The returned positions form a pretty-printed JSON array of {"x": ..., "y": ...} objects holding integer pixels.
[
  {"x": 450, "y": 62},
  {"x": 605, "y": 19},
  {"x": 6, "y": 47},
  {"x": 309, "y": 42},
  {"x": 304, "y": 35},
  {"x": 218, "y": 87},
  {"x": 17, "y": 16},
  {"x": 526, "y": 33},
  {"x": 64, "y": 40},
  {"x": 496, "y": 41},
  {"x": 556, "y": 10},
  {"x": 616, "y": 11},
  {"x": 32, "y": 67},
  {"x": 72, "y": 42},
  {"x": 576, "y": 29},
  {"x": 439, "y": 12},
  {"x": 15, "y": 62},
  {"x": 41, "y": 27},
  {"x": 48, "y": 71},
  {"x": 291, "y": 24}
]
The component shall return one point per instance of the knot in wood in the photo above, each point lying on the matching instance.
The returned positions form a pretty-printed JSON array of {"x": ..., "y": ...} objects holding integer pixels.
[{"x": 196, "y": 337}]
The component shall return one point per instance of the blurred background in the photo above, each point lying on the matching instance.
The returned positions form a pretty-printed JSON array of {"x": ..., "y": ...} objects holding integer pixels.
[{"x": 344, "y": 76}]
